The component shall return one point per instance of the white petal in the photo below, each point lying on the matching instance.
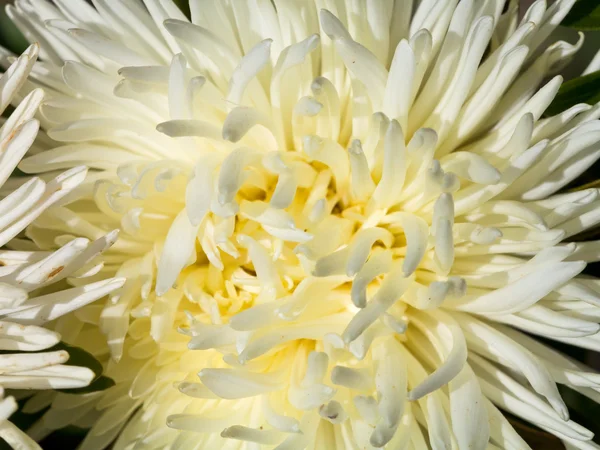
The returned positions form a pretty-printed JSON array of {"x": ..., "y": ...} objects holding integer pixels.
[
  {"x": 394, "y": 167},
  {"x": 17, "y": 337},
  {"x": 468, "y": 412},
  {"x": 250, "y": 65},
  {"x": 525, "y": 291},
  {"x": 359, "y": 61},
  {"x": 52, "y": 377},
  {"x": 177, "y": 250},
  {"x": 51, "y": 306},
  {"x": 233, "y": 383},
  {"x": 21, "y": 362},
  {"x": 453, "y": 365}
]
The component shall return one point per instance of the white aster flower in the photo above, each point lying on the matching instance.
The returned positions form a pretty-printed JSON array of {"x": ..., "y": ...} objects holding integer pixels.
[
  {"x": 338, "y": 218},
  {"x": 23, "y": 273}
]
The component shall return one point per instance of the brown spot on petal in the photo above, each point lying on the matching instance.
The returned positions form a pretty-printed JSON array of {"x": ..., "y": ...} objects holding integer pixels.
[
  {"x": 55, "y": 271},
  {"x": 11, "y": 135}
]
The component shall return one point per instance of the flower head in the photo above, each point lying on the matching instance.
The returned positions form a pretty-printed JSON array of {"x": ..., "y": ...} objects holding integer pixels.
[{"x": 337, "y": 218}]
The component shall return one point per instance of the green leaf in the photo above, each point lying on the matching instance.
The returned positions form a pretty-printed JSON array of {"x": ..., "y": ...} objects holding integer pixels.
[
  {"x": 10, "y": 36},
  {"x": 184, "y": 6},
  {"x": 585, "y": 16},
  {"x": 584, "y": 89}
]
